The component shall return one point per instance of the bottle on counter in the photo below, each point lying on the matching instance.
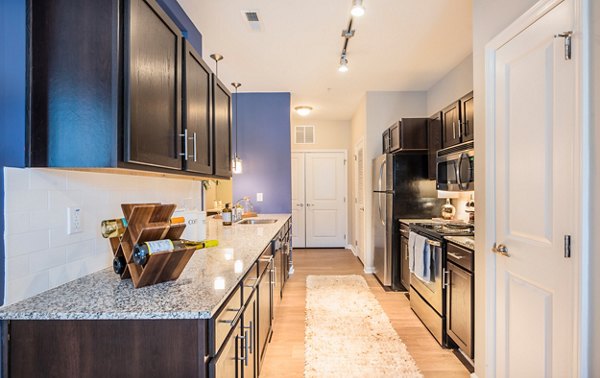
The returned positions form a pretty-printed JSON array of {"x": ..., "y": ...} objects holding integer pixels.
[
  {"x": 227, "y": 215},
  {"x": 119, "y": 264},
  {"x": 142, "y": 251},
  {"x": 112, "y": 228}
]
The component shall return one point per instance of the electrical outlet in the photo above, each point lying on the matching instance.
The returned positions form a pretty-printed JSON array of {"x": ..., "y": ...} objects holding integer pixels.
[
  {"x": 74, "y": 224},
  {"x": 259, "y": 197}
]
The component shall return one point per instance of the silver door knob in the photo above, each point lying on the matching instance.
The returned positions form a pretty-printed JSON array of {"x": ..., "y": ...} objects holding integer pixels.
[
  {"x": 308, "y": 205},
  {"x": 300, "y": 204},
  {"x": 500, "y": 249}
]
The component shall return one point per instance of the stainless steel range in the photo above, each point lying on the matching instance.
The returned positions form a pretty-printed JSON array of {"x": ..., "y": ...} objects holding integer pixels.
[{"x": 428, "y": 296}]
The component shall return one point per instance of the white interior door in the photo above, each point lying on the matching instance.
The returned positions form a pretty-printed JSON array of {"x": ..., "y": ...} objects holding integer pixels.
[
  {"x": 359, "y": 201},
  {"x": 325, "y": 199},
  {"x": 535, "y": 200},
  {"x": 298, "y": 201}
]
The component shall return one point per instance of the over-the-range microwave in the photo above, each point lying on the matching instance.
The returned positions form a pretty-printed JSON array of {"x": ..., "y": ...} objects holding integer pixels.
[{"x": 456, "y": 168}]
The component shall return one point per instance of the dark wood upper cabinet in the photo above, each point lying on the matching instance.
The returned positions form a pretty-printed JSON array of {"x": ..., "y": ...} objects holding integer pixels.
[
  {"x": 457, "y": 122},
  {"x": 152, "y": 105},
  {"x": 73, "y": 83},
  {"x": 197, "y": 125},
  {"x": 222, "y": 128},
  {"x": 408, "y": 134},
  {"x": 467, "y": 122},
  {"x": 434, "y": 135},
  {"x": 451, "y": 125}
]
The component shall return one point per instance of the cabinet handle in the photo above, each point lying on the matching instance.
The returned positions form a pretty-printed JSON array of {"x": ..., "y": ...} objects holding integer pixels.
[
  {"x": 453, "y": 130},
  {"x": 458, "y": 257},
  {"x": 251, "y": 328},
  {"x": 246, "y": 348},
  {"x": 459, "y": 129},
  {"x": 195, "y": 147},
  {"x": 185, "y": 144},
  {"x": 445, "y": 278},
  {"x": 235, "y": 318}
]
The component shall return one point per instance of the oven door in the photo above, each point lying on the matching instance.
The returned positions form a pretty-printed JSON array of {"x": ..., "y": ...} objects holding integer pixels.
[{"x": 432, "y": 291}]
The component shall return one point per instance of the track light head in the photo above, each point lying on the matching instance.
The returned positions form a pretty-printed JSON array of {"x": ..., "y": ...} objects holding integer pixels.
[{"x": 357, "y": 8}]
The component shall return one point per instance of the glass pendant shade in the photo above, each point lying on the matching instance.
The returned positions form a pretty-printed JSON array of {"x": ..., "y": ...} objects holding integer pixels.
[{"x": 236, "y": 165}]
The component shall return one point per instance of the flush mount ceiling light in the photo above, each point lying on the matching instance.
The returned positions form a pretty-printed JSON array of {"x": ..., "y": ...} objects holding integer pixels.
[
  {"x": 303, "y": 110},
  {"x": 357, "y": 8}
]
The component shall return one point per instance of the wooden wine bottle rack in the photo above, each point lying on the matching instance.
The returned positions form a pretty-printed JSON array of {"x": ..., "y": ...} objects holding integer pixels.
[{"x": 146, "y": 222}]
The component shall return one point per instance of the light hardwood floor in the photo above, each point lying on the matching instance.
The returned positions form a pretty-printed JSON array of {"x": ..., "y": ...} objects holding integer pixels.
[{"x": 285, "y": 354}]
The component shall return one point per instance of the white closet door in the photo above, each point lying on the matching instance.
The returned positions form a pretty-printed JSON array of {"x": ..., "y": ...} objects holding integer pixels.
[
  {"x": 535, "y": 200},
  {"x": 325, "y": 199},
  {"x": 298, "y": 201},
  {"x": 359, "y": 202}
]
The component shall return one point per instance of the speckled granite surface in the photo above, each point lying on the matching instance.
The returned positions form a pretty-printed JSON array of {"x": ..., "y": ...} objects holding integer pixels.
[
  {"x": 205, "y": 283},
  {"x": 465, "y": 241}
]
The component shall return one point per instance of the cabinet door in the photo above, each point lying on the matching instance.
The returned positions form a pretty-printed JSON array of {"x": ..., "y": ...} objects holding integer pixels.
[
  {"x": 434, "y": 136},
  {"x": 197, "y": 141},
  {"x": 227, "y": 363},
  {"x": 265, "y": 292},
  {"x": 405, "y": 271},
  {"x": 222, "y": 128},
  {"x": 467, "y": 124},
  {"x": 450, "y": 125},
  {"x": 152, "y": 86},
  {"x": 459, "y": 304},
  {"x": 248, "y": 346}
]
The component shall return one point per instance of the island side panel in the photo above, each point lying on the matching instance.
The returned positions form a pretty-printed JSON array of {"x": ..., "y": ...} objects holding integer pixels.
[{"x": 107, "y": 348}]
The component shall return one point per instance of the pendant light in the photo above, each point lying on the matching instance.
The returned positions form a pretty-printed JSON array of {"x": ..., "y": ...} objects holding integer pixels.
[
  {"x": 217, "y": 58},
  {"x": 236, "y": 162}
]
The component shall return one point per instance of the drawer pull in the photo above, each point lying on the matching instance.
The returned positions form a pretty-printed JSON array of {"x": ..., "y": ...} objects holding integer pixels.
[
  {"x": 235, "y": 318},
  {"x": 455, "y": 255}
]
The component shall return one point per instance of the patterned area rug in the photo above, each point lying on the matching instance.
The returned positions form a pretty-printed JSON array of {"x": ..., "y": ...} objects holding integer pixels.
[{"x": 348, "y": 334}]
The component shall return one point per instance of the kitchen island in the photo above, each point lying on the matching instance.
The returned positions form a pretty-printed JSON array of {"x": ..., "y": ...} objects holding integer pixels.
[{"x": 99, "y": 325}]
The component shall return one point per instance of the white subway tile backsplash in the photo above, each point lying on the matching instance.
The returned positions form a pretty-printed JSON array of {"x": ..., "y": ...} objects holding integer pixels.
[
  {"x": 40, "y": 254},
  {"x": 25, "y": 200},
  {"x": 26, "y": 243},
  {"x": 16, "y": 179},
  {"x": 82, "y": 250},
  {"x": 47, "y": 179},
  {"x": 46, "y": 259}
]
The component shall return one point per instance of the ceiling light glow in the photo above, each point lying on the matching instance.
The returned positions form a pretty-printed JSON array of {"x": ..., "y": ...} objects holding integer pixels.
[
  {"x": 303, "y": 110},
  {"x": 357, "y": 8}
]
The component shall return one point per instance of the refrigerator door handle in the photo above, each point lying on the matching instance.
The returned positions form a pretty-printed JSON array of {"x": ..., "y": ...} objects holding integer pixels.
[
  {"x": 379, "y": 208},
  {"x": 381, "y": 170}
]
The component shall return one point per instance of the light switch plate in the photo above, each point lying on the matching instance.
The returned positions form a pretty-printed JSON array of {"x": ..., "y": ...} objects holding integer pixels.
[
  {"x": 259, "y": 197},
  {"x": 74, "y": 223}
]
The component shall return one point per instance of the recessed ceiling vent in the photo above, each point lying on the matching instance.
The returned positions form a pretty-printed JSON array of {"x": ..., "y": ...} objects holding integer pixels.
[
  {"x": 305, "y": 134},
  {"x": 252, "y": 18}
]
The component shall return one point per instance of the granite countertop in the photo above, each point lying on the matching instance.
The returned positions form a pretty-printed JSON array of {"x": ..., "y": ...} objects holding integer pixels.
[
  {"x": 207, "y": 280},
  {"x": 411, "y": 220},
  {"x": 464, "y": 241}
]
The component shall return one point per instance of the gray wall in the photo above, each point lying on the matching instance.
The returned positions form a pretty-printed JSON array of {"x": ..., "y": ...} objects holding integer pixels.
[{"x": 455, "y": 84}]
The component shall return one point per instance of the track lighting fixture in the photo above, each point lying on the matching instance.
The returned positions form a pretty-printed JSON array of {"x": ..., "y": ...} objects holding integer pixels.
[
  {"x": 357, "y": 8},
  {"x": 343, "y": 64}
]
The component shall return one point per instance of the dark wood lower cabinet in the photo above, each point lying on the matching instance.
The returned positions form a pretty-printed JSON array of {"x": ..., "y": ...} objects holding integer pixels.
[{"x": 107, "y": 348}]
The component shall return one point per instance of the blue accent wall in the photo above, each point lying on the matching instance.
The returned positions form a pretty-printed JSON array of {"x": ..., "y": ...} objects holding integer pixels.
[
  {"x": 264, "y": 147},
  {"x": 187, "y": 27},
  {"x": 12, "y": 100}
]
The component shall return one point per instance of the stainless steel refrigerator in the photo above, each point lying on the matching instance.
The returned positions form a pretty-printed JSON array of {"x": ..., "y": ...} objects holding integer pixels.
[{"x": 401, "y": 189}]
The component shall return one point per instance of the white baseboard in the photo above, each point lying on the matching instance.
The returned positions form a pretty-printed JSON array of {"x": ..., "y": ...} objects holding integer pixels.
[
  {"x": 473, "y": 375},
  {"x": 351, "y": 247},
  {"x": 369, "y": 269}
]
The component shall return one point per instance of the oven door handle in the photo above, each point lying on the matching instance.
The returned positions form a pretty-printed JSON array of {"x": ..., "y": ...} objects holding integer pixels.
[{"x": 434, "y": 243}]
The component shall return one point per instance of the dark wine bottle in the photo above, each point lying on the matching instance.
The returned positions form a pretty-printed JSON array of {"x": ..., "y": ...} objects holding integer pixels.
[
  {"x": 142, "y": 251},
  {"x": 119, "y": 264}
]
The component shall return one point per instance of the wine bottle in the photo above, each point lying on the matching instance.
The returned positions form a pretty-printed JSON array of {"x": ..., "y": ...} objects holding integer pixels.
[
  {"x": 226, "y": 214},
  {"x": 142, "y": 251},
  {"x": 119, "y": 264},
  {"x": 113, "y": 227}
]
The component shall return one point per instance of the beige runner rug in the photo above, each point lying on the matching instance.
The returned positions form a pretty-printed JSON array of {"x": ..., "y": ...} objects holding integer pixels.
[{"x": 348, "y": 334}]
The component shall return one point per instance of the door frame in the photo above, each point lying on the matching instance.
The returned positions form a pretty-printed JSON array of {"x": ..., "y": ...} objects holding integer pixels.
[
  {"x": 355, "y": 223},
  {"x": 582, "y": 146},
  {"x": 345, "y": 151}
]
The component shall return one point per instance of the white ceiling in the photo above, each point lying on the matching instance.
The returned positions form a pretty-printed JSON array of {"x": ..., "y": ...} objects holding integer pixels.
[{"x": 400, "y": 45}]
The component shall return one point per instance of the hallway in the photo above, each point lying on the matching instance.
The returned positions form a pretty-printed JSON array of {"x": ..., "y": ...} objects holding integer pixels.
[{"x": 285, "y": 354}]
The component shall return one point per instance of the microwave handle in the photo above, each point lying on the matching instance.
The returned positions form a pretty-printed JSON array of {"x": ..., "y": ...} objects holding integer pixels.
[{"x": 461, "y": 159}]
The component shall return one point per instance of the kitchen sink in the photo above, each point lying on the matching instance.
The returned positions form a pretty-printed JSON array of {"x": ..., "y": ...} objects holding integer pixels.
[{"x": 257, "y": 221}]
